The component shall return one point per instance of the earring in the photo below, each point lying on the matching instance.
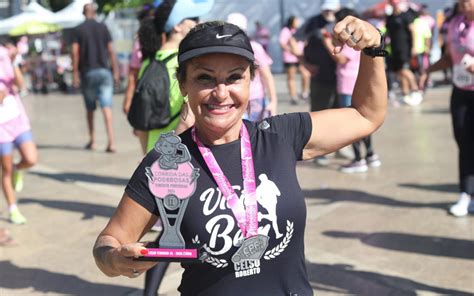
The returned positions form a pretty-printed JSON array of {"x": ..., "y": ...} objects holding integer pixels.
[{"x": 184, "y": 109}]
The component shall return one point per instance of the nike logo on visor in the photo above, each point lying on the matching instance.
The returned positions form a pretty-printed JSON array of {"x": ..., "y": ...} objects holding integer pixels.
[{"x": 222, "y": 36}]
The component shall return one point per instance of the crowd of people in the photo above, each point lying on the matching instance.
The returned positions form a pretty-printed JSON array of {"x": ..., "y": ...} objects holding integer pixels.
[{"x": 223, "y": 106}]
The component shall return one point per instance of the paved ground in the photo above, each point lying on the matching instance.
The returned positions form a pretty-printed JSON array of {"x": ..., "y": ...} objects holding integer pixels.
[{"x": 385, "y": 232}]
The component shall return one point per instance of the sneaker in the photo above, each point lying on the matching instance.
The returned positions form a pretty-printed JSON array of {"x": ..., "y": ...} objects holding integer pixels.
[
  {"x": 304, "y": 96},
  {"x": 373, "y": 161},
  {"x": 356, "y": 166},
  {"x": 407, "y": 99},
  {"x": 321, "y": 161},
  {"x": 16, "y": 217},
  {"x": 416, "y": 98},
  {"x": 17, "y": 180},
  {"x": 461, "y": 207}
]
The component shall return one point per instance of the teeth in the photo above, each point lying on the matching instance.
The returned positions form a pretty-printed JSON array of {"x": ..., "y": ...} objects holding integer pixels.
[{"x": 217, "y": 107}]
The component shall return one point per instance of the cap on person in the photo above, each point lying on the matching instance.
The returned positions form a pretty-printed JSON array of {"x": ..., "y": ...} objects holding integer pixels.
[
  {"x": 217, "y": 37},
  {"x": 332, "y": 5},
  {"x": 237, "y": 19},
  {"x": 184, "y": 9}
]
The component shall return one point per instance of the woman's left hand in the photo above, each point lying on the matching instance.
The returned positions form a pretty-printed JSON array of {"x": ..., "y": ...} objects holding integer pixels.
[
  {"x": 355, "y": 33},
  {"x": 272, "y": 107}
]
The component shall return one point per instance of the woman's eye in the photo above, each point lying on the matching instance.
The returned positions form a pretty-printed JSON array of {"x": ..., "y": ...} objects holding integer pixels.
[
  {"x": 204, "y": 78},
  {"x": 234, "y": 78}
]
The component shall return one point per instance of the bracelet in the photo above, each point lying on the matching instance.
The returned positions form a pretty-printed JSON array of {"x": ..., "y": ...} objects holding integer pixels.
[{"x": 378, "y": 51}]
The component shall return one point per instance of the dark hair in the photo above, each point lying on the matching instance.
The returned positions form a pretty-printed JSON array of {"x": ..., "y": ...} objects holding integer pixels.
[
  {"x": 4, "y": 40},
  {"x": 343, "y": 12},
  {"x": 150, "y": 40},
  {"x": 181, "y": 69},
  {"x": 145, "y": 12},
  {"x": 290, "y": 21},
  {"x": 162, "y": 14}
]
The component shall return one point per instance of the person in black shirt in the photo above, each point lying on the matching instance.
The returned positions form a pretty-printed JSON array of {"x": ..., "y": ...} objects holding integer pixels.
[
  {"x": 235, "y": 160},
  {"x": 91, "y": 51},
  {"x": 323, "y": 85},
  {"x": 400, "y": 30}
]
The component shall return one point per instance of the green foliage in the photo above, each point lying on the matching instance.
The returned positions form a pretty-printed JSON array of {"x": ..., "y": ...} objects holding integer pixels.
[{"x": 106, "y": 6}]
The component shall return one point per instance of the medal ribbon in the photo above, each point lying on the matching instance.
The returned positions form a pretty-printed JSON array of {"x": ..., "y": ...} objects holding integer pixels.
[{"x": 246, "y": 216}]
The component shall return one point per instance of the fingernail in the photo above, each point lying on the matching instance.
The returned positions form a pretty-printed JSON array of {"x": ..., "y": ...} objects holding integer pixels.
[{"x": 144, "y": 252}]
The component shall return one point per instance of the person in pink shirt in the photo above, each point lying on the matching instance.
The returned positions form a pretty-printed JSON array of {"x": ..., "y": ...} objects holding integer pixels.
[
  {"x": 291, "y": 61},
  {"x": 263, "y": 98},
  {"x": 262, "y": 35},
  {"x": 133, "y": 70},
  {"x": 15, "y": 131},
  {"x": 347, "y": 69},
  {"x": 459, "y": 56}
]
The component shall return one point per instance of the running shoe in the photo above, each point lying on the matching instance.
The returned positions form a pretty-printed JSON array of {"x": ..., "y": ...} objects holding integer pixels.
[
  {"x": 416, "y": 98},
  {"x": 373, "y": 161},
  {"x": 407, "y": 99},
  {"x": 17, "y": 180},
  {"x": 461, "y": 207},
  {"x": 16, "y": 217},
  {"x": 356, "y": 166}
]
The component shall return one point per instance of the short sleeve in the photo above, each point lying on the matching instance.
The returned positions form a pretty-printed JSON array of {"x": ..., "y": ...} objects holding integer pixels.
[
  {"x": 294, "y": 128},
  {"x": 107, "y": 36},
  {"x": 261, "y": 57},
  {"x": 136, "y": 56},
  {"x": 75, "y": 35},
  {"x": 137, "y": 187},
  {"x": 285, "y": 35}
]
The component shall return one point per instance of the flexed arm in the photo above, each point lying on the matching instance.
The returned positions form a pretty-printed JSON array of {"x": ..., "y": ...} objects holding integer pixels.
[{"x": 335, "y": 128}]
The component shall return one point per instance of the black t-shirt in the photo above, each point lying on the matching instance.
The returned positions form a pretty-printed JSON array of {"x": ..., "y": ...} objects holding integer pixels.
[
  {"x": 276, "y": 145},
  {"x": 93, "y": 38},
  {"x": 399, "y": 32},
  {"x": 315, "y": 52}
]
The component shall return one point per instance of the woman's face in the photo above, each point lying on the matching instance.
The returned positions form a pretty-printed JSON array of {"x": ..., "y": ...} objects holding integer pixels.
[
  {"x": 296, "y": 23},
  {"x": 217, "y": 86},
  {"x": 466, "y": 7}
]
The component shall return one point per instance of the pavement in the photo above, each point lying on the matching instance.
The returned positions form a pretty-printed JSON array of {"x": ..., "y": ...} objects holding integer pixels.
[{"x": 384, "y": 232}]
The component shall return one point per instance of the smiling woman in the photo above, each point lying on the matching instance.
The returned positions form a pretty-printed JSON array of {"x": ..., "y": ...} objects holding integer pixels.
[{"x": 246, "y": 210}]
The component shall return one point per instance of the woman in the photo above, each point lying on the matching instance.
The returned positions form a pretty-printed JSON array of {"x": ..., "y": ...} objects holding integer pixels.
[
  {"x": 460, "y": 56},
  {"x": 291, "y": 61},
  {"x": 15, "y": 132},
  {"x": 215, "y": 75},
  {"x": 144, "y": 47}
]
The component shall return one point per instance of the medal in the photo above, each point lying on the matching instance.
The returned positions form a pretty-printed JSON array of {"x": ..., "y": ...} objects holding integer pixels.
[{"x": 246, "y": 211}]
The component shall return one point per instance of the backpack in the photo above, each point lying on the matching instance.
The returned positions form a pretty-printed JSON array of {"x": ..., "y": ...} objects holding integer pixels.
[{"x": 150, "y": 108}]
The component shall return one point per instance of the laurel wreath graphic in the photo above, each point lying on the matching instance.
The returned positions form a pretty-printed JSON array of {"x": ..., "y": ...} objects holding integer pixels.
[
  {"x": 278, "y": 249},
  {"x": 217, "y": 263}
]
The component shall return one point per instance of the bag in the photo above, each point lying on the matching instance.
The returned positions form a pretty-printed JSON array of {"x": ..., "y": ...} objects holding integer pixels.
[{"x": 150, "y": 108}]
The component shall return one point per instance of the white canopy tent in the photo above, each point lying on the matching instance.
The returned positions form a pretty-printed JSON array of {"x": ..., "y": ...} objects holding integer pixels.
[
  {"x": 71, "y": 15},
  {"x": 32, "y": 12}
]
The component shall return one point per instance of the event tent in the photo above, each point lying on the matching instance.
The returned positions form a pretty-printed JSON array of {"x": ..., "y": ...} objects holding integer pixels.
[
  {"x": 32, "y": 12},
  {"x": 71, "y": 15}
]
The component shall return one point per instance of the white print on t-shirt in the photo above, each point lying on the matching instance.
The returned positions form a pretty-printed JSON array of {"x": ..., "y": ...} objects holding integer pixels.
[
  {"x": 267, "y": 193},
  {"x": 462, "y": 77},
  {"x": 221, "y": 226}
]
